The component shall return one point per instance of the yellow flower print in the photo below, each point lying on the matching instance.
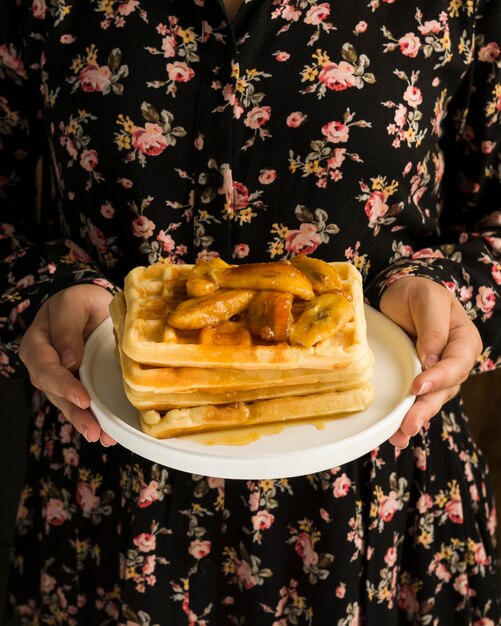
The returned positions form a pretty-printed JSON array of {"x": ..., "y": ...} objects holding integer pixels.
[
  {"x": 235, "y": 70},
  {"x": 91, "y": 54},
  {"x": 123, "y": 141},
  {"x": 187, "y": 36},
  {"x": 130, "y": 572},
  {"x": 321, "y": 57},
  {"x": 77, "y": 65},
  {"x": 105, "y": 6},
  {"x": 454, "y": 6},
  {"x": 241, "y": 85},
  {"x": 276, "y": 248},
  {"x": 309, "y": 73},
  {"x": 266, "y": 485},
  {"x": 424, "y": 538},
  {"x": 440, "y": 500}
]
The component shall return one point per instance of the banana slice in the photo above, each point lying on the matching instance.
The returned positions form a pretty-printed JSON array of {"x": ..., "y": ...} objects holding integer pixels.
[
  {"x": 210, "y": 310},
  {"x": 322, "y": 276},
  {"x": 322, "y": 318},
  {"x": 281, "y": 276},
  {"x": 201, "y": 280},
  {"x": 270, "y": 315}
]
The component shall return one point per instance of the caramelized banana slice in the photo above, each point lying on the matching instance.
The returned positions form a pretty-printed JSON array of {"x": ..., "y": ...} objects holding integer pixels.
[
  {"x": 281, "y": 276},
  {"x": 322, "y": 276},
  {"x": 201, "y": 280},
  {"x": 210, "y": 310},
  {"x": 322, "y": 318},
  {"x": 270, "y": 315}
]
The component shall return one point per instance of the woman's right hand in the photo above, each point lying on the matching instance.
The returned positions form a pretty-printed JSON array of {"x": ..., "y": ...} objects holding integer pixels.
[{"x": 52, "y": 350}]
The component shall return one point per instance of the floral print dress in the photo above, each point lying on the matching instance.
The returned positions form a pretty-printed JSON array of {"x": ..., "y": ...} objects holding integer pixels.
[{"x": 362, "y": 131}]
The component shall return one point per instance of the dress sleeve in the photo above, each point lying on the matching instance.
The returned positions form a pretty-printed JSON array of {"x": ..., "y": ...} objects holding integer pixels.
[
  {"x": 31, "y": 269},
  {"x": 465, "y": 258}
]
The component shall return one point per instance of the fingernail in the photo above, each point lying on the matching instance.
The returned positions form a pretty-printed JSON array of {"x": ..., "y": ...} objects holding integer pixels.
[
  {"x": 85, "y": 430},
  {"x": 425, "y": 387},
  {"x": 430, "y": 360},
  {"x": 105, "y": 445},
  {"x": 77, "y": 401},
  {"x": 68, "y": 358}
]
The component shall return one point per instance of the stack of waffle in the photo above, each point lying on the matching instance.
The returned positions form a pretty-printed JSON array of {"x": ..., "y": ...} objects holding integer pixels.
[{"x": 215, "y": 346}]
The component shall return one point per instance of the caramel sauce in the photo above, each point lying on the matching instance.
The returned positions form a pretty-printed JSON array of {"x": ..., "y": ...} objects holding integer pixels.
[{"x": 248, "y": 434}]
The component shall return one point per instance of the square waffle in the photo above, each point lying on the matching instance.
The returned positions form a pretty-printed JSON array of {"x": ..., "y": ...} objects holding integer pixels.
[
  {"x": 153, "y": 292},
  {"x": 188, "y": 381}
]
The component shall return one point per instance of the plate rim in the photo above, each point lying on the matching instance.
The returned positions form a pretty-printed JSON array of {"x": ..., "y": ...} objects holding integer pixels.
[{"x": 184, "y": 460}]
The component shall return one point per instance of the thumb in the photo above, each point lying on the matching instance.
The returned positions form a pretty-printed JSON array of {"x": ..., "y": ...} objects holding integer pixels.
[
  {"x": 431, "y": 313},
  {"x": 68, "y": 318}
]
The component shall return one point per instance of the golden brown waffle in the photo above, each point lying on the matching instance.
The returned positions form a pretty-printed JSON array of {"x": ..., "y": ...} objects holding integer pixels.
[
  {"x": 204, "y": 418},
  {"x": 153, "y": 292},
  {"x": 188, "y": 380}
]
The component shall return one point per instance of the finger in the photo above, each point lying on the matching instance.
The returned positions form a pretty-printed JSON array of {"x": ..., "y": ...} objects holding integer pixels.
[
  {"x": 424, "y": 408},
  {"x": 46, "y": 372},
  {"x": 67, "y": 322},
  {"x": 432, "y": 329},
  {"x": 82, "y": 420},
  {"x": 399, "y": 439},
  {"x": 457, "y": 359}
]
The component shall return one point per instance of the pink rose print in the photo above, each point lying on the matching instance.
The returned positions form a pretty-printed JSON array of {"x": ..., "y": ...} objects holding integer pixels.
[
  {"x": 409, "y": 45},
  {"x": 413, "y": 96},
  {"x": 282, "y": 56},
  {"x": 486, "y": 301},
  {"x": 376, "y": 207},
  {"x": 454, "y": 508},
  {"x": 484, "y": 621},
  {"x": 262, "y": 520},
  {"x": 166, "y": 240},
  {"x": 94, "y": 78},
  {"x": 361, "y": 27},
  {"x": 337, "y": 77},
  {"x": 336, "y": 132},
  {"x": 148, "y": 494},
  {"x": 10, "y": 60},
  {"x": 303, "y": 241},
  {"x": 149, "y": 139},
  {"x": 55, "y": 513},
  {"x": 71, "y": 457},
  {"x": 431, "y": 26},
  {"x": 294, "y": 120},
  {"x": 126, "y": 8},
  {"x": 199, "y": 549},
  {"x": 461, "y": 584},
  {"x": 107, "y": 210},
  {"x": 424, "y": 503},
  {"x": 102, "y": 282},
  {"x": 67, "y": 39},
  {"x": 391, "y": 556},
  {"x": 149, "y": 564},
  {"x": 489, "y": 53},
  {"x": 420, "y": 458},
  {"x": 240, "y": 250},
  {"x": 86, "y": 498},
  {"x": 388, "y": 505},
  {"x": 341, "y": 591},
  {"x": 257, "y": 117},
  {"x": 487, "y": 146},
  {"x": 89, "y": 160},
  {"x": 38, "y": 9},
  {"x": 317, "y": 14},
  {"x": 169, "y": 47},
  {"x": 179, "y": 72},
  {"x": 267, "y": 176},
  {"x": 142, "y": 227},
  {"x": 239, "y": 197},
  {"x": 341, "y": 486},
  {"x": 407, "y": 600},
  {"x": 145, "y": 542},
  {"x": 304, "y": 548},
  {"x": 244, "y": 575}
]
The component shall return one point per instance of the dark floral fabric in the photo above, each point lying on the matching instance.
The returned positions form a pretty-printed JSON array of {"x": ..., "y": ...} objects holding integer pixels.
[{"x": 363, "y": 131}]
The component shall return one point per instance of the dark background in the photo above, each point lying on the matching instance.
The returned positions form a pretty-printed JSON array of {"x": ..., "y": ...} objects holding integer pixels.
[{"x": 482, "y": 396}]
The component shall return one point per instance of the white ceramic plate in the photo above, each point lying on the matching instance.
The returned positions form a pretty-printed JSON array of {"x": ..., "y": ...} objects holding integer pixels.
[{"x": 298, "y": 450}]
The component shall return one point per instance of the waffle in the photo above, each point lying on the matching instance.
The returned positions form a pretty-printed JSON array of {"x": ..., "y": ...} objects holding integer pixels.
[
  {"x": 157, "y": 381},
  {"x": 224, "y": 375},
  {"x": 177, "y": 422},
  {"x": 153, "y": 292}
]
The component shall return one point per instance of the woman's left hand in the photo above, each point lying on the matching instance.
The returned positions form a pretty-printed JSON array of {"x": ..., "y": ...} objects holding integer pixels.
[{"x": 448, "y": 344}]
